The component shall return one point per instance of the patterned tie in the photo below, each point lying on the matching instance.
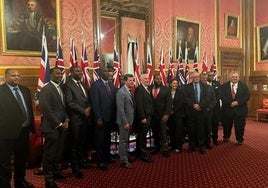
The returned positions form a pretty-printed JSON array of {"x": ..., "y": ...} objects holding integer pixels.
[
  {"x": 233, "y": 91},
  {"x": 19, "y": 99},
  {"x": 107, "y": 87},
  {"x": 196, "y": 93}
]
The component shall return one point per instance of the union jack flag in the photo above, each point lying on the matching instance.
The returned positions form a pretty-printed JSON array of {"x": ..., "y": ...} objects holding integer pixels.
[
  {"x": 43, "y": 71},
  {"x": 171, "y": 74},
  {"x": 84, "y": 66},
  {"x": 117, "y": 69},
  {"x": 195, "y": 66},
  {"x": 180, "y": 70},
  {"x": 162, "y": 67},
  {"x": 96, "y": 65},
  {"x": 73, "y": 55},
  {"x": 213, "y": 68},
  {"x": 149, "y": 65},
  {"x": 137, "y": 65},
  {"x": 187, "y": 69},
  {"x": 60, "y": 61},
  {"x": 205, "y": 63}
]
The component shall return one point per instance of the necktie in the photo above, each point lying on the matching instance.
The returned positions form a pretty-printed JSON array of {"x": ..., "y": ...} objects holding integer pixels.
[
  {"x": 82, "y": 90},
  {"x": 60, "y": 93},
  {"x": 107, "y": 87},
  {"x": 196, "y": 93},
  {"x": 155, "y": 92},
  {"x": 233, "y": 91},
  {"x": 132, "y": 96},
  {"x": 19, "y": 99}
]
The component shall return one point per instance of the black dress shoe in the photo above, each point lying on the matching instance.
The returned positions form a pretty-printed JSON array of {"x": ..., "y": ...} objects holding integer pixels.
[
  {"x": 147, "y": 160},
  {"x": 215, "y": 142},
  {"x": 225, "y": 139},
  {"x": 85, "y": 165},
  {"x": 165, "y": 154},
  {"x": 202, "y": 151},
  {"x": 208, "y": 146},
  {"x": 191, "y": 149},
  {"x": 77, "y": 174},
  {"x": 102, "y": 166},
  {"x": 23, "y": 184},
  {"x": 51, "y": 185},
  {"x": 126, "y": 165},
  {"x": 61, "y": 175},
  {"x": 111, "y": 160}
]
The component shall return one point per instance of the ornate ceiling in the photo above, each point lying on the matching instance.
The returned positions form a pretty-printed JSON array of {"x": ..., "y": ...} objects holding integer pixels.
[{"x": 128, "y": 8}]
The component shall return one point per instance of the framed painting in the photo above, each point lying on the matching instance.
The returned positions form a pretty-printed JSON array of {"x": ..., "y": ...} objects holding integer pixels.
[
  {"x": 262, "y": 42},
  {"x": 187, "y": 36},
  {"x": 23, "y": 23},
  {"x": 231, "y": 27}
]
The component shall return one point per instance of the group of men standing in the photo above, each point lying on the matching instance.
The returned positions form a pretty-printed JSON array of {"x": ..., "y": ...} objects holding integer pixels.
[{"x": 68, "y": 109}]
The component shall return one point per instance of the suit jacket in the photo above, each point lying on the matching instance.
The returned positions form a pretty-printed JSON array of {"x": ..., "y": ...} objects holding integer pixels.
[
  {"x": 242, "y": 96},
  {"x": 144, "y": 103},
  {"x": 211, "y": 98},
  {"x": 11, "y": 115},
  {"x": 190, "y": 98},
  {"x": 162, "y": 103},
  {"x": 52, "y": 107},
  {"x": 75, "y": 101},
  {"x": 103, "y": 103},
  {"x": 179, "y": 103},
  {"x": 217, "y": 89},
  {"x": 125, "y": 107}
]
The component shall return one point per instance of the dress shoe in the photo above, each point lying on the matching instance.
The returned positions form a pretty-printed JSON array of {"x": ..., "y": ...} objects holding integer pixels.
[
  {"x": 126, "y": 165},
  {"x": 61, "y": 175},
  {"x": 165, "y": 154},
  {"x": 239, "y": 143},
  {"x": 191, "y": 149},
  {"x": 155, "y": 150},
  {"x": 23, "y": 184},
  {"x": 147, "y": 160},
  {"x": 85, "y": 165},
  {"x": 77, "y": 174},
  {"x": 51, "y": 185},
  {"x": 215, "y": 142},
  {"x": 102, "y": 166},
  {"x": 202, "y": 151},
  {"x": 111, "y": 160},
  {"x": 208, "y": 146}
]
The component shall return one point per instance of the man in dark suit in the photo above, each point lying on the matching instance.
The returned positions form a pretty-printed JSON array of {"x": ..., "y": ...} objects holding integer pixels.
[
  {"x": 144, "y": 107},
  {"x": 216, "y": 110},
  {"x": 16, "y": 122},
  {"x": 103, "y": 104},
  {"x": 162, "y": 105},
  {"x": 77, "y": 102},
  {"x": 235, "y": 95},
  {"x": 196, "y": 104},
  {"x": 125, "y": 103},
  {"x": 55, "y": 121}
]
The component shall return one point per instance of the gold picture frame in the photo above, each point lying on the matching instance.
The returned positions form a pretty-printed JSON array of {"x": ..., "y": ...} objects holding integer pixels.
[
  {"x": 187, "y": 31},
  {"x": 231, "y": 27},
  {"x": 22, "y": 30},
  {"x": 262, "y": 43}
]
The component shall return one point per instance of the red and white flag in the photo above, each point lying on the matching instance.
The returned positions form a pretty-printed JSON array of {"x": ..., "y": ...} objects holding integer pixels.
[
  {"x": 205, "y": 63},
  {"x": 187, "y": 68},
  {"x": 195, "y": 66},
  {"x": 137, "y": 64},
  {"x": 149, "y": 65},
  {"x": 59, "y": 60},
  {"x": 162, "y": 67},
  {"x": 73, "y": 55},
  {"x": 84, "y": 66},
  {"x": 171, "y": 74},
  {"x": 96, "y": 65},
  {"x": 117, "y": 69}
]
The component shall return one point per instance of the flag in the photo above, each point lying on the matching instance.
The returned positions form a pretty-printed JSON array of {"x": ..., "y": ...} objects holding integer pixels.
[
  {"x": 137, "y": 65},
  {"x": 149, "y": 65},
  {"x": 180, "y": 71},
  {"x": 43, "y": 70},
  {"x": 60, "y": 61},
  {"x": 73, "y": 55},
  {"x": 195, "y": 66},
  {"x": 213, "y": 68},
  {"x": 205, "y": 63},
  {"x": 96, "y": 65},
  {"x": 117, "y": 69},
  {"x": 162, "y": 67},
  {"x": 84, "y": 66},
  {"x": 187, "y": 69},
  {"x": 171, "y": 74},
  {"x": 130, "y": 56}
]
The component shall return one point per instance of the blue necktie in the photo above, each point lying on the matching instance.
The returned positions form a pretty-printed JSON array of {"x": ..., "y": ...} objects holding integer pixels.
[{"x": 196, "y": 93}]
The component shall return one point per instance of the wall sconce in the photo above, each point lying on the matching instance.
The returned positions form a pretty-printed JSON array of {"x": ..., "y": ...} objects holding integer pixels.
[{"x": 264, "y": 87}]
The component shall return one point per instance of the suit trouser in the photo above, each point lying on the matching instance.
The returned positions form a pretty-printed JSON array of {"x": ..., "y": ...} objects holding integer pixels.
[
  {"x": 208, "y": 126},
  {"x": 239, "y": 125},
  {"x": 103, "y": 141},
  {"x": 196, "y": 130},
  {"x": 142, "y": 140},
  {"x": 159, "y": 129},
  {"x": 215, "y": 122},
  {"x": 123, "y": 143},
  {"x": 53, "y": 150},
  {"x": 19, "y": 147}
]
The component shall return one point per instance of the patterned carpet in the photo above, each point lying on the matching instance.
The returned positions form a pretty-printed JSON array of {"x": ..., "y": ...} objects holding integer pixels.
[{"x": 226, "y": 165}]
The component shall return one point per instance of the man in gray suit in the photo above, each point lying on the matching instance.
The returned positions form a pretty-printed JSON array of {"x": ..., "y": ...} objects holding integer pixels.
[{"x": 125, "y": 115}]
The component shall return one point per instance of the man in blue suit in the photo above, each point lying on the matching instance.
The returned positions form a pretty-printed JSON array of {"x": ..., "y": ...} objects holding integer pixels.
[
  {"x": 102, "y": 95},
  {"x": 125, "y": 104}
]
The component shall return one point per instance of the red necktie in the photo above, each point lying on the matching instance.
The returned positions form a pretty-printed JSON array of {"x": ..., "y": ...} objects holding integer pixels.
[
  {"x": 155, "y": 92},
  {"x": 233, "y": 91},
  {"x": 107, "y": 87}
]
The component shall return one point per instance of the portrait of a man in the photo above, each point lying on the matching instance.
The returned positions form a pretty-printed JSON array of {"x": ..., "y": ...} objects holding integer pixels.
[
  {"x": 25, "y": 22},
  {"x": 187, "y": 36},
  {"x": 263, "y": 42}
]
